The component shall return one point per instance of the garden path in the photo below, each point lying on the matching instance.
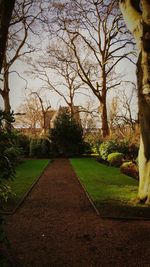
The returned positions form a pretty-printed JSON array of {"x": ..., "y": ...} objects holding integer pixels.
[{"x": 57, "y": 227}]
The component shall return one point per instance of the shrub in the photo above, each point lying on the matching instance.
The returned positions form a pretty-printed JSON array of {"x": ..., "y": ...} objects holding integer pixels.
[
  {"x": 67, "y": 136},
  {"x": 40, "y": 148},
  {"x": 32, "y": 148},
  {"x": 45, "y": 148},
  {"x": 115, "y": 159},
  {"x": 130, "y": 151},
  {"x": 8, "y": 150},
  {"x": 13, "y": 154},
  {"x": 94, "y": 140},
  {"x": 35, "y": 148},
  {"x": 7, "y": 163},
  {"x": 130, "y": 169},
  {"x": 108, "y": 147},
  {"x": 23, "y": 142}
]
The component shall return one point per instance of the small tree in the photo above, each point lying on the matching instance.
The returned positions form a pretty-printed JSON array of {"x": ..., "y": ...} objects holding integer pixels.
[{"x": 67, "y": 135}]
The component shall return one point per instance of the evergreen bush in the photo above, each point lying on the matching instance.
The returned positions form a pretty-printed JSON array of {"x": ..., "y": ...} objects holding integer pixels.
[
  {"x": 67, "y": 136},
  {"x": 45, "y": 148},
  {"x": 33, "y": 148},
  {"x": 23, "y": 142}
]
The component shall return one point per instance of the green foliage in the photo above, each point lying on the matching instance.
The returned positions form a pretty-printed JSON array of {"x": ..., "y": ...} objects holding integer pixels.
[
  {"x": 130, "y": 151},
  {"x": 8, "y": 150},
  {"x": 129, "y": 168},
  {"x": 45, "y": 148},
  {"x": 8, "y": 156},
  {"x": 67, "y": 136},
  {"x": 40, "y": 148},
  {"x": 35, "y": 148},
  {"x": 23, "y": 142},
  {"x": 115, "y": 159},
  {"x": 108, "y": 147},
  {"x": 5, "y": 193},
  {"x": 94, "y": 140}
]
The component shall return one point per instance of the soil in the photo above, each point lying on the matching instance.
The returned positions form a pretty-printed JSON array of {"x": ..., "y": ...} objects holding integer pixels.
[{"x": 56, "y": 226}]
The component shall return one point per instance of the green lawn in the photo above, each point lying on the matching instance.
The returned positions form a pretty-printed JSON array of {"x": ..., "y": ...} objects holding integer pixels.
[
  {"x": 110, "y": 190},
  {"x": 26, "y": 174}
]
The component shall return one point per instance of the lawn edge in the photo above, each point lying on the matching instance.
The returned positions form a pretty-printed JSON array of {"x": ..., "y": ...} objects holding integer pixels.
[
  {"x": 11, "y": 212},
  {"x": 85, "y": 191},
  {"x": 97, "y": 210}
]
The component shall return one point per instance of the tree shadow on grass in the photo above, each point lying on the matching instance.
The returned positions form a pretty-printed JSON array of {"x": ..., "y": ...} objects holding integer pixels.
[{"x": 116, "y": 209}]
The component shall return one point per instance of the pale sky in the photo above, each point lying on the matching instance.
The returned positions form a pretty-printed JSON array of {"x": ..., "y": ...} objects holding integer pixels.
[{"x": 18, "y": 85}]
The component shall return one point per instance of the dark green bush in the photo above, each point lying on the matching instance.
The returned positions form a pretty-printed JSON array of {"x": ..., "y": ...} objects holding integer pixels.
[
  {"x": 35, "y": 148},
  {"x": 45, "y": 148},
  {"x": 40, "y": 148},
  {"x": 129, "y": 168},
  {"x": 9, "y": 153},
  {"x": 115, "y": 159},
  {"x": 67, "y": 136},
  {"x": 7, "y": 165},
  {"x": 23, "y": 142}
]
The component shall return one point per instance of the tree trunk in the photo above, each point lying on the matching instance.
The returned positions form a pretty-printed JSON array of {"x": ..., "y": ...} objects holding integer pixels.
[
  {"x": 5, "y": 93},
  {"x": 138, "y": 22},
  {"x": 105, "y": 128},
  {"x": 6, "y": 8}
]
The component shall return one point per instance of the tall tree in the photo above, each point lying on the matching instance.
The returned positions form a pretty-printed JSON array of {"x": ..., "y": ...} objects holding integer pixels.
[
  {"x": 137, "y": 17},
  {"x": 96, "y": 29},
  {"x": 21, "y": 25},
  {"x": 67, "y": 83},
  {"x": 6, "y": 9}
]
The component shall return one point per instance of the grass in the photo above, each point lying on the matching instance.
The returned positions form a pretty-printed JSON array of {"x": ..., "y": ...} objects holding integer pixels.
[
  {"x": 26, "y": 174},
  {"x": 110, "y": 190}
]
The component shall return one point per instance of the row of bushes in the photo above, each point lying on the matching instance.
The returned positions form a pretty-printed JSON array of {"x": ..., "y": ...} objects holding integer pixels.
[
  {"x": 120, "y": 154},
  {"x": 64, "y": 139},
  {"x": 130, "y": 151}
]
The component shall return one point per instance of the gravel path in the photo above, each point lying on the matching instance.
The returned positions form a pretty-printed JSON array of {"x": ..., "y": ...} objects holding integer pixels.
[{"x": 57, "y": 227}]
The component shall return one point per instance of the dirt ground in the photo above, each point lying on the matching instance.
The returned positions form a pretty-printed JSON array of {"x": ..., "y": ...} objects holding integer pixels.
[{"x": 57, "y": 227}]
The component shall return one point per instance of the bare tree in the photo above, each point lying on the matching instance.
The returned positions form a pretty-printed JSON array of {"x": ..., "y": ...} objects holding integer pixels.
[
  {"x": 18, "y": 44},
  {"x": 137, "y": 18},
  {"x": 28, "y": 114},
  {"x": 123, "y": 111},
  {"x": 96, "y": 29},
  {"x": 33, "y": 113},
  {"x": 66, "y": 83},
  {"x": 89, "y": 118},
  {"x": 44, "y": 110}
]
